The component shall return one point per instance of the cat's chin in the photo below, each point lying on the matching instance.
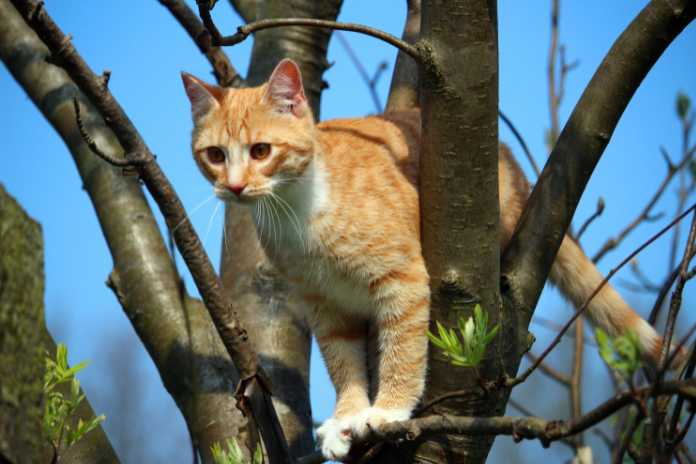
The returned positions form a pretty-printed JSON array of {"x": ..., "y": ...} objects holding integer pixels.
[{"x": 243, "y": 201}]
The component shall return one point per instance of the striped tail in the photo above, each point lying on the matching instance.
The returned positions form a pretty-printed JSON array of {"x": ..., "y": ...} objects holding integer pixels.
[{"x": 577, "y": 277}]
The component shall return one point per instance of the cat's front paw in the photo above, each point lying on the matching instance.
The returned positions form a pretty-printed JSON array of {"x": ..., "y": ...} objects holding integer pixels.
[
  {"x": 334, "y": 438},
  {"x": 373, "y": 418}
]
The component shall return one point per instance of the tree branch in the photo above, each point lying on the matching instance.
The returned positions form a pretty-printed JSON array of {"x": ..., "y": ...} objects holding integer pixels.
[
  {"x": 459, "y": 204},
  {"x": 244, "y": 31},
  {"x": 403, "y": 92},
  {"x": 528, "y": 258},
  {"x": 520, "y": 428},
  {"x": 225, "y": 73},
  {"x": 252, "y": 391}
]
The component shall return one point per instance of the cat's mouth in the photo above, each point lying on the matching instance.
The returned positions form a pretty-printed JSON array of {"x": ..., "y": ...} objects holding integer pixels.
[{"x": 247, "y": 195}]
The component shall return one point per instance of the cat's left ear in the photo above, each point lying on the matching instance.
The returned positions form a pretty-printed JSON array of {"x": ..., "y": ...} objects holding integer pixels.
[
  {"x": 203, "y": 96},
  {"x": 285, "y": 89}
]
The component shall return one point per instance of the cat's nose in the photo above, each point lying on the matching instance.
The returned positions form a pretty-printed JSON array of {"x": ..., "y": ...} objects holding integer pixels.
[{"x": 236, "y": 189}]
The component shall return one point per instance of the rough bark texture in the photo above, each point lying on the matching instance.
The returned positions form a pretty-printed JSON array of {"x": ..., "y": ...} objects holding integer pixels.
[
  {"x": 176, "y": 331},
  {"x": 459, "y": 202},
  {"x": 280, "y": 336},
  {"x": 550, "y": 209},
  {"x": 24, "y": 342},
  {"x": 21, "y": 350}
]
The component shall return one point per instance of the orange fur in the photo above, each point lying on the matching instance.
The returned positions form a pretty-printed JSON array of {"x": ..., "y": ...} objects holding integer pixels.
[{"x": 336, "y": 209}]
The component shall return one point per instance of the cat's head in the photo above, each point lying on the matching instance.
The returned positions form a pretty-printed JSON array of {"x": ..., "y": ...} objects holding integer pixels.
[{"x": 251, "y": 142}]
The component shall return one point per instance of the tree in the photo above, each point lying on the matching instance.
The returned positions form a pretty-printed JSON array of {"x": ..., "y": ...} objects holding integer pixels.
[{"x": 462, "y": 35}]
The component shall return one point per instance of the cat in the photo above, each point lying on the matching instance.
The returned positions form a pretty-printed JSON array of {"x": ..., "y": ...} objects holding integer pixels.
[{"x": 336, "y": 210}]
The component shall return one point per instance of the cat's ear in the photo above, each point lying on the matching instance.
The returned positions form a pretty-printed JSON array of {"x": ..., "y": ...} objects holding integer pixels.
[
  {"x": 203, "y": 96},
  {"x": 285, "y": 89}
]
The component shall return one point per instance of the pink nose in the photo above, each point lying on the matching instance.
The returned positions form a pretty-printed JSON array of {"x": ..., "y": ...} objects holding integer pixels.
[{"x": 236, "y": 189}]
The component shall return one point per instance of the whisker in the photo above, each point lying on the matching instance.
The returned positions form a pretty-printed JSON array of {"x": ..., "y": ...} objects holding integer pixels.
[
  {"x": 210, "y": 222},
  {"x": 193, "y": 211},
  {"x": 294, "y": 220}
]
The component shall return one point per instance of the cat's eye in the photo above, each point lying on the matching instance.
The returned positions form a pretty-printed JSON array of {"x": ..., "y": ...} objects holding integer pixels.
[
  {"x": 215, "y": 155},
  {"x": 260, "y": 151}
]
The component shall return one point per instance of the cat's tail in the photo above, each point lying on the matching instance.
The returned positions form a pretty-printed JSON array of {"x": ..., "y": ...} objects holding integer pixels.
[{"x": 577, "y": 277}]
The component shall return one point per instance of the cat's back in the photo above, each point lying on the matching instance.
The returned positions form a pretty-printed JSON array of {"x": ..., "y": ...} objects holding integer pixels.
[{"x": 374, "y": 143}]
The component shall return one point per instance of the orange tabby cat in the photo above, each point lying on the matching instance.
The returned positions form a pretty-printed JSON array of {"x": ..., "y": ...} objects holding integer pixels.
[{"x": 336, "y": 209}]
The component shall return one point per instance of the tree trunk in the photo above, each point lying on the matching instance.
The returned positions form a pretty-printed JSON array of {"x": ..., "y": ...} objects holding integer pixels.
[
  {"x": 24, "y": 343},
  {"x": 459, "y": 204}
]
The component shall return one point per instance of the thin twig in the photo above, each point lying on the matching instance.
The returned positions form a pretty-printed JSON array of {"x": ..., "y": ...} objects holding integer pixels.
[
  {"x": 598, "y": 212},
  {"x": 517, "y": 380},
  {"x": 549, "y": 371},
  {"x": 575, "y": 387},
  {"x": 551, "y": 325},
  {"x": 626, "y": 442},
  {"x": 554, "y": 100},
  {"x": 244, "y": 31},
  {"x": 120, "y": 162},
  {"x": 225, "y": 73},
  {"x": 371, "y": 83},
  {"x": 521, "y": 141},
  {"x": 659, "y": 409},
  {"x": 676, "y": 413},
  {"x": 675, "y": 302},
  {"x": 644, "y": 215},
  {"x": 525, "y": 427}
]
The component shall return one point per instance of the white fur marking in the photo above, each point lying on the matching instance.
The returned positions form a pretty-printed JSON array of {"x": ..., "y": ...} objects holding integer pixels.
[{"x": 334, "y": 438}]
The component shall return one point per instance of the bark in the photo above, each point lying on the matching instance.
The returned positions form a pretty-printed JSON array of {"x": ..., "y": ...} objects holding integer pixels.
[
  {"x": 24, "y": 342},
  {"x": 176, "y": 331},
  {"x": 550, "y": 209},
  {"x": 403, "y": 92},
  {"x": 459, "y": 206},
  {"x": 280, "y": 336}
]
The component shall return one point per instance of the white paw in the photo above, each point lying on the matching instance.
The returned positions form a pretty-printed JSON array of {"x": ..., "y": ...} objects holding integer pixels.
[
  {"x": 334, "y": 437},
  {"x": 373, "y": 418}
]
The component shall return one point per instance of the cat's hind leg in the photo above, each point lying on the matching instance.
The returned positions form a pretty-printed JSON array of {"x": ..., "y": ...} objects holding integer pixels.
[{"x": 342, "y": 339}]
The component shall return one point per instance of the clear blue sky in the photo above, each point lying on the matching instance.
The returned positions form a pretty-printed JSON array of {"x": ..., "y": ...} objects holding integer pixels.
[{"x": 146, "y": 49}]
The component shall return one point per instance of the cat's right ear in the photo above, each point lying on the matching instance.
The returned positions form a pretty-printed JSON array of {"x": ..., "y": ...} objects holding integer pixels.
[
  {"x": 203, "y": 96},
  {"x": 285, "y": 88}
]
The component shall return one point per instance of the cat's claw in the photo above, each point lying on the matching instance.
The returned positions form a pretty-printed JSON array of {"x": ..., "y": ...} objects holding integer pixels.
[
  {"x": 373, "y": 418},
  {"x": 335, "y": 438}
]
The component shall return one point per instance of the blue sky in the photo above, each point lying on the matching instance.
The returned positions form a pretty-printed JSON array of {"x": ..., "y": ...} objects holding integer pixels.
[{"x": 146, "y": 49}]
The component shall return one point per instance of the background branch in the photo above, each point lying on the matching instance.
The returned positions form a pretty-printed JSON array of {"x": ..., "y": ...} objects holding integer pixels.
[
  {"x": 403, "y": 92},
  {"x": 528, "y": 258}
]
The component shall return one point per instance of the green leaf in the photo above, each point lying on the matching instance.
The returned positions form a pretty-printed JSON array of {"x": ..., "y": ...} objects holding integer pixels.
[{"x": 468, "y": 347}]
